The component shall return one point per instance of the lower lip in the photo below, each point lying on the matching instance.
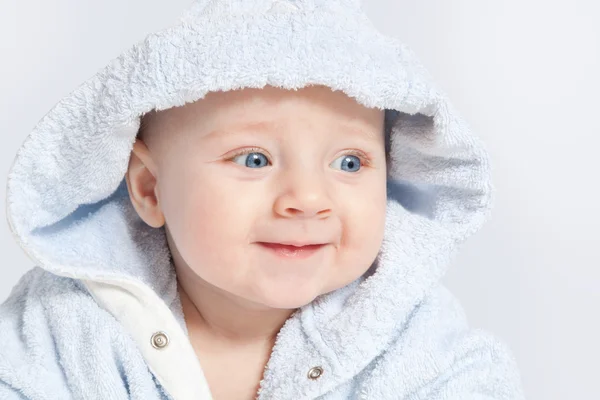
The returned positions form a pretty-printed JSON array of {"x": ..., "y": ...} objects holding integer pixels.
[{"x": 292, "y": 252}]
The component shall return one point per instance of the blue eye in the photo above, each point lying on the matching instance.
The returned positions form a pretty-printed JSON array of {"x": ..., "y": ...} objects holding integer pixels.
[
  {"x": 350, "y": 161},
  {"x": 254, "y": 159}
]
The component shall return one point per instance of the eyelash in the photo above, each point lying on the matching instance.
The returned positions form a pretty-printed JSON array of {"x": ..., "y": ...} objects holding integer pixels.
[{"x": 364, "y": 158}]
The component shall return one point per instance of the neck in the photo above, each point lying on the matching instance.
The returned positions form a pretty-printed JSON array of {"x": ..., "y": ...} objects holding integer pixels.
[{"x": 211, "y": 312}]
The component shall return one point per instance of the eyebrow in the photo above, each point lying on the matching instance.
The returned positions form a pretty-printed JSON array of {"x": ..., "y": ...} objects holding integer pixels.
[
  {"x": 367, "y": 133},
  {"x": 272, "y": 126},
  {"x": 238, "y": 128}
]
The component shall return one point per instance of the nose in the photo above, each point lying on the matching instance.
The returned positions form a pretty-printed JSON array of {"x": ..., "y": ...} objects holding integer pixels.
[{"x": 304, "y": 195}]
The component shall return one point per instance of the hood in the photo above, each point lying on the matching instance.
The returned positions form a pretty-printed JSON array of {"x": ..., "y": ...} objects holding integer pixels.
[{"x": 67, "y": 201}]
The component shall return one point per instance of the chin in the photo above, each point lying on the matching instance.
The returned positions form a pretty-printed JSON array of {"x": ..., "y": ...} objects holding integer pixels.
[{"x": 288, "y": 300}]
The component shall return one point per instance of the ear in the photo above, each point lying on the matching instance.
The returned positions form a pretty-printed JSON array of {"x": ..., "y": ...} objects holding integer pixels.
[{"x": 142, "y": 185}]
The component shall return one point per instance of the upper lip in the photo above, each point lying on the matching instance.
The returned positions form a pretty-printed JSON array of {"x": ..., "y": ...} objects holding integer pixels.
[{"x": 295, "y": 243}]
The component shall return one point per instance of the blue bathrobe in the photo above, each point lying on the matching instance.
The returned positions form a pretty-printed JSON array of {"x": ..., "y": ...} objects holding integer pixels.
[{"x": 99, "y": 316}]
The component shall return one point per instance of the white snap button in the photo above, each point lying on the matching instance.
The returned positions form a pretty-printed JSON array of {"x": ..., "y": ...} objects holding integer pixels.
[
  {"x": 315, "y": 373},
  {"x": 159, "y": 340}
]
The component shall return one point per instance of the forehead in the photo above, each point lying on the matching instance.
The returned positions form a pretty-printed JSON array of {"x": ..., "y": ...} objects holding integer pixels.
[
  {"x": 352, "y": 126},
  {"x": 270, "y": 110}
]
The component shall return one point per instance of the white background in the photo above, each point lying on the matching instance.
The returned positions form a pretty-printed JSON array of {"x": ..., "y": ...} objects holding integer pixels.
[{"x": 525, "y": 76}]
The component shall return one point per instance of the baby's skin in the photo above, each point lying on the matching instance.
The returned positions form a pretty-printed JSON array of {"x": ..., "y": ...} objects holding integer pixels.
[{"x": 269, "y": 198}]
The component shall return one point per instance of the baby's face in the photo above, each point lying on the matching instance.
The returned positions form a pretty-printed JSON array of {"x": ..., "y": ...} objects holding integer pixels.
[{"x": 240, "y": 168}]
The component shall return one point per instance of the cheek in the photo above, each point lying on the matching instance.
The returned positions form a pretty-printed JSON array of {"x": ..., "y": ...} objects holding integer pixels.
[
  {"x": 365, "y": 212},
  {"x": 363, "y": 226},
  {"x": 210, "y": 220}
]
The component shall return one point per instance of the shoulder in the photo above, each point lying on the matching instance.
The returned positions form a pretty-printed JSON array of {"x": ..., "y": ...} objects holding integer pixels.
[
  {"x": 40, "y": 293},
  {"x": 28, "y": 364},
  {"x": 37, "y": 284},
  {"x": 437, "y": 355},
  {"x": 51, "y": 328}
]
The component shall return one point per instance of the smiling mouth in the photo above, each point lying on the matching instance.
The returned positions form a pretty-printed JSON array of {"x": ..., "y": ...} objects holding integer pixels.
[{"x": 291, "y": 251}]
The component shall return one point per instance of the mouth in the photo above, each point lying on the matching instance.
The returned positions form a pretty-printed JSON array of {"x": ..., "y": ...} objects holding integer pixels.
[{"x": 292, "y": 250}]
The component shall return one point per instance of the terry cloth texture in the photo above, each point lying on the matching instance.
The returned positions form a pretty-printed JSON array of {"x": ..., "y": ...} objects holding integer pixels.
[{"x": 79, "y": 325}]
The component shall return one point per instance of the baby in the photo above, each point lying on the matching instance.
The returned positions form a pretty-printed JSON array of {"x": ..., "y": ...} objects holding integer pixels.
[
  {"x": 269, "y": 199},
  {"x": 258, "y": 202}
]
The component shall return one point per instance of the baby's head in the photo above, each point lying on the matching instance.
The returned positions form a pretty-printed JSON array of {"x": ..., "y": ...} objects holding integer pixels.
[{"x": 238, "y": 169}]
